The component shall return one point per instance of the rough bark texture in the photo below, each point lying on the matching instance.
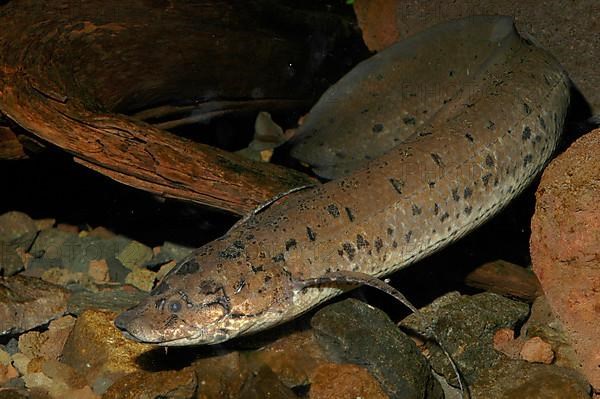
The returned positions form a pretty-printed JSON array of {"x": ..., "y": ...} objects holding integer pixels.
[{"x": 70, "y": 70}]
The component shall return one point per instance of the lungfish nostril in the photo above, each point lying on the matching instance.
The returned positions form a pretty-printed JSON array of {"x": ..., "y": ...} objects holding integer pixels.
[{"x": 122, "y": 321}]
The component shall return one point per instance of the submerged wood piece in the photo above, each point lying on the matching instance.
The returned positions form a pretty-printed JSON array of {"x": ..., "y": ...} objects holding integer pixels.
[
  {"x": 505, "y": 278},
  {"x": 69, "y": 74}
]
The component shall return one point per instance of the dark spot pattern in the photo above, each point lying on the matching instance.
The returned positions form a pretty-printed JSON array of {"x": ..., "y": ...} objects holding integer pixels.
[
  {"x": 289, "y": 244},
  {"x": 390, "y": 231},
  {"x": 333, "y": 210},
  {"x": 397, "y": 184},
  {"x": 542, "y": 122},
  {"x": 407, "y": 236},
  {"x": 486, "y": 179},
  {"x": 436, "y": 209},
  {"x": 468, "y": 192},
  {"x": 349, "y": 250},
  {"x": 437, "y": 159},
  {"x": 378, "y": 244},
  {"x": 526, "y": 133},
  {"x": 188, "y": 267},
  {"x": 526, "y": 108},
  {"x": 489, "y": 161},
  {"x": 468, "y": 210},
  {"x": 311, "y": 234},
  {"x": 490, "y": 125},
  {"x": 416, "y": 210},
  {"x": 455, "y": 195},
  {"x": 350, "y": 214},
  {"x": 528, "y": 158},
  {"x": 431, "y": 184},
  {"x": 409, "y": 120},
  {"x": 361, "y": 242},
  {"x": 444, "y": 216},
  {"x": 377, "y": 128},
  {"x": 469, "y": 137},
  {"x": 233, "y": 251},
  {"x": 278, "y": 258}
]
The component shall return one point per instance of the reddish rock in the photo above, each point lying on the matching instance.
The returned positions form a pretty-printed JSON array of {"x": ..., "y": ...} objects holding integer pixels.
[
  {"x": 221, "y": 376},
  {"x": 340, "y": 381},
  {"x": 536, "y": 350},
  {"x": 293, "y": 358},
  {"x": 7, "y": 373},
  {"x": 99, "y": 351},
  {"x": 172, "y": 384},
  {"x": 565, "y": 244},
  {"x": 98, "y": 271},
  {"x": 48, "y": 344},
  {"x": 377, "y": 36},
  {"x": 27, "y": 302},
  {"x": 504, "y": 341}
]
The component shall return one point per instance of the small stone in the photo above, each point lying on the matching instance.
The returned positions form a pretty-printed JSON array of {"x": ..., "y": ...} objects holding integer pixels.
[
  {"x": 168, "y": 252},
  {"x": 4, "y": 357},
  {"x": 113, "y": 298},
  {"x": 293, "y": 358},
  {"x": 466, "y": 325},
  {"x": 171, "y": 384},
  {"x": 353, "y": 332},
  {"x": 134, "y": 255},
  {"x": 64, "y": 277},
  {"x": 222, "y": 375},
  {"x": 164, "y": 269},
  {"x": 340, "y": 381},
  {"x": 48, "y": 344},
  {"x": 99, "y": 271},
  {"x": 14, "y": 226},
  {"x": 44, "y": 224},
  {"x": 535, "y": 350},
  {"x": 27, "y": 302},
  {"x": 504, "y": 341},
  {"x": 141, "y": 278},
  {"x": 49, "y": 245},
  {"x": 101, "y": 232},
  {"x": 21, "y": 362},
  {"x": 7, "y": 373},
  {"x": 99, "y": 351}
]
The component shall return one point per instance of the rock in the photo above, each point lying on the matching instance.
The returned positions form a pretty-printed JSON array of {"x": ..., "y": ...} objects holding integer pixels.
[
  {"x": 221, "y": 376},
  {"x": 353, "y": 332},
  {"x": 518, "y": 379},
  {"x": 17, "y": 233},
  {"x": 27, "y": 302},
  {"x": 4, "y": 357},
  {"x": 112, "y": 298},
  {"x": 21, "y": 362},
  {"x": 466, "y": 325},
  {"x": 134, "y": 255},
  {"x": 294, "y": 358},
  {"x": 264, "y": 384},
  {"x": 99, "y": 351},
  {"x": 543, "y": 323},
  {"x": 17, "y": 227},
  {"x": 48, "y": 344},
  {"x": 565, "y": 244},
  {"x": 141, "y": 278},
  {"x": 340, "y": 381},
  {"x": 49, "y": 245},
  {"x": 99, "y": 271},
  {"x": 172, "y": 384},
  {"x": 504, "y": 341},
  {"x": 101, "y": 232},
  {"x": 566, "y": 29},
  {"x": 168, "y": 252},
  {"x": 536, "y": 350},
  {"x": 43, "y": 224},
  {"x": 7, "y": 373}
]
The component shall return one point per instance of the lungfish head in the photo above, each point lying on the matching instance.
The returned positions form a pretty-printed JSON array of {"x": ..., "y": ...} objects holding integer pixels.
[{"x": 207, "y": 299}]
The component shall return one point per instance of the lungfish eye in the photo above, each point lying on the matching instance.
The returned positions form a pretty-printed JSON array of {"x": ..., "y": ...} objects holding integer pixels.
[{"x": 175, "y": 306}]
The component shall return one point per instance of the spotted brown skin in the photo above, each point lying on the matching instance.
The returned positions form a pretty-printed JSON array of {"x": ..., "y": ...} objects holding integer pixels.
[{"x": 456, "y": 170}]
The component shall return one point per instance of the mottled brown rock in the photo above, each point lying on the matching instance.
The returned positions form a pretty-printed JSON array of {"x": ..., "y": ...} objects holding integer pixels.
[
  {"x": 568, "y": 29},
  {"x": 221, "y": 376},
  {"x": 517, "y": 379},
  {"x": 263, "y": 383},
  {"x": 27, "y": 302},
  {"x": 340, "y": 381},
  {"x": 7, "y": 372},
  {"x": 293, "y": 358},
  {"x": 171, "y": 384},
  {"x": 565, "y": 244},
  {"x": 536, "y": 350},
  {"x": 48, "y": 344},
  {"x": 99, "y": 351}
]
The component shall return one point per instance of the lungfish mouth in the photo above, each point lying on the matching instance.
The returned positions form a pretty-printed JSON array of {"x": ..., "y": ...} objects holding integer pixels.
[{"x": 134, "y": 327}]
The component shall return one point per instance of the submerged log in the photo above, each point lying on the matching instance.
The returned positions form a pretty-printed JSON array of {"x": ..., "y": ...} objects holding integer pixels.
[{"x": 71, "y": 72}]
